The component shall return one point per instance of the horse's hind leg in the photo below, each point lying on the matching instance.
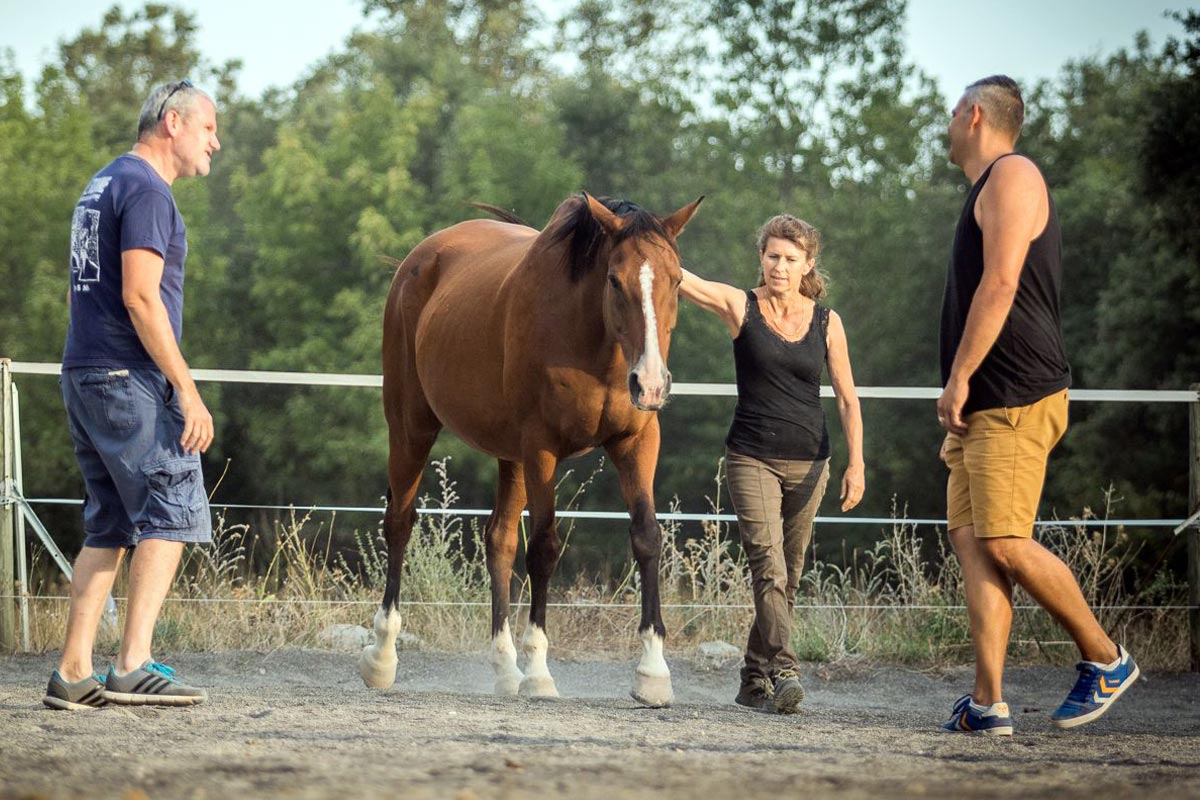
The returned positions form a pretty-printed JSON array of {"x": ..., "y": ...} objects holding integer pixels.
[
  {"x": 541, "y": 558},
  {"x": 406, "y": 461},
  {"x": 500, "y": 538}
]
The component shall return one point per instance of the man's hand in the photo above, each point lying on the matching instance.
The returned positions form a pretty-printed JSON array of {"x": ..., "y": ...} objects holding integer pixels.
[
  {"x": 950, "y": 406},
  {"x": 197, "y": 422},
  {"x": 853, "y": 485}
]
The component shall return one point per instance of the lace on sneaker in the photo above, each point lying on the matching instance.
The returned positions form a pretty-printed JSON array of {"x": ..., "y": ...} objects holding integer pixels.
[
  {"x": 786, "y": 672},
  {"x": 764, "y": 685},
  {"x": 162, "y": 670},
  {"x": 1081, "y": 693}
]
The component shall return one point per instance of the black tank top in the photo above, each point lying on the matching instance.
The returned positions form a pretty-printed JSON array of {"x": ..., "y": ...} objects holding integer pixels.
[
  {"x": 1028, "y": 360},
  {"x": 778, "y": 412}
]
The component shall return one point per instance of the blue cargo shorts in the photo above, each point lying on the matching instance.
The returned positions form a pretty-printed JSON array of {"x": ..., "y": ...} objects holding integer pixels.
[{"x": 139, "y": 481}]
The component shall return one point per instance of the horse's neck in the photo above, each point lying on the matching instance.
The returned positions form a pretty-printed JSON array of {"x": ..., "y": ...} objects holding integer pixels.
[{"x": 577, "y": 306}]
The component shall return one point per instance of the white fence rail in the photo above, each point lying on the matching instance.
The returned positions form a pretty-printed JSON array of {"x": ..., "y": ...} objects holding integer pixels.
[{"x": 680, "y": 389}]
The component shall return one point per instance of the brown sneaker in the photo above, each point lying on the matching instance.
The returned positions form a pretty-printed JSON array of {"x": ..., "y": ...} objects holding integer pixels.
[
  {"x": 788, "y": 691},
  {"x": 757, "y": 694}
]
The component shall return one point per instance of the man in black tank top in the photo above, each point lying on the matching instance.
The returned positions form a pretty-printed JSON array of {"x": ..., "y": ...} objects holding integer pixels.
[{"x": 1004, "y": 407}]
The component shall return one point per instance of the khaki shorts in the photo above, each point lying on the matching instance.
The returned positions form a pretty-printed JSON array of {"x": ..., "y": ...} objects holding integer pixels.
[{"x": 997, "y": 469}]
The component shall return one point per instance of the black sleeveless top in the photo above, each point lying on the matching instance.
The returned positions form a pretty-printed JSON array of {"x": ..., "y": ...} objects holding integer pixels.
[
  {"x": 1028, "y": 360},
  {"x": 778, "y": 412}
]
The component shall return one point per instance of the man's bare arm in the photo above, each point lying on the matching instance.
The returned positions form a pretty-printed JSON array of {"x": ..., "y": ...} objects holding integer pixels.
[
  {"x": 141, "y": 274},
  {"x": 1011, "y": 211}
]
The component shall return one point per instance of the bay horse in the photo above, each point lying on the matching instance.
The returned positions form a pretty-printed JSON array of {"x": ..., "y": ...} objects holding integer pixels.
[{"x": 532, "y": 346}]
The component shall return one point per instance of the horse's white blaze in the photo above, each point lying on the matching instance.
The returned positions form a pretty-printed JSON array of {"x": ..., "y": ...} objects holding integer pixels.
[
  {"x": 377, "y": 664},
  {"x": 504, "y": 662},
  {"x": 652, "y": 679},
  {"x": 650, "y": 369},
  {"x": 537, "y": 682}
]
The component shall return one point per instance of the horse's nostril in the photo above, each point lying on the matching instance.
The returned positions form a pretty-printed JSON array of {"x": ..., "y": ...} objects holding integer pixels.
[
  {"x": 667, "y": 388},
  {"x": 635, "y": 387}
]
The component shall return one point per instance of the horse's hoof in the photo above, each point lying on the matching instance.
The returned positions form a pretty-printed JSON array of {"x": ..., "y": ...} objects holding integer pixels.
[
  {"x": 653, "y": 691},
  {"x": 376, "y": 669},
  {"x": 509, "y": 685},
  {"x": 538, "y": 686}
]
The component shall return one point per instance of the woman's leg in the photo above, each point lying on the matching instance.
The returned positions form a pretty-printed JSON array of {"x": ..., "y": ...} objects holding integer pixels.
[
  {"x": 756, "y": 491},
  {"x": 802, "y": 493}
]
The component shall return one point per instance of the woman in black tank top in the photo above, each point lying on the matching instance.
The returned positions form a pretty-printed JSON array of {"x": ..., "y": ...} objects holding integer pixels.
[{"x": 777, "y": 451}]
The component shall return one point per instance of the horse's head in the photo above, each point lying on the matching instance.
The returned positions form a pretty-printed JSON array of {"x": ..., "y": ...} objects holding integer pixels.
[{"x": 641, "y": 293}]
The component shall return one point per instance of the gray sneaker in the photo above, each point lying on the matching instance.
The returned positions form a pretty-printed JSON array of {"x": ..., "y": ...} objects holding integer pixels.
[
  {"x": 788, "y": 691},
  {"x": 151, "y": 684},
  {"x": 84, "y": 695}
]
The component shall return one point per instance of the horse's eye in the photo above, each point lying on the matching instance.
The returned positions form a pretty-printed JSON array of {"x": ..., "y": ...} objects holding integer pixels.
[{"x": 613, "y": 282}]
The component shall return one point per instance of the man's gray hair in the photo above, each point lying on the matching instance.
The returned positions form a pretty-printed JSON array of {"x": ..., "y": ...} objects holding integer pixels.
[
  {"x": 177, "y": 95},
  {"x": 1000, "y": 98}
]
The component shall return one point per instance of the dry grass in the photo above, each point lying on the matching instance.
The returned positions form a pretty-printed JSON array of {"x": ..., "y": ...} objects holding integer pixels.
[{"x": 899, "y": 601}]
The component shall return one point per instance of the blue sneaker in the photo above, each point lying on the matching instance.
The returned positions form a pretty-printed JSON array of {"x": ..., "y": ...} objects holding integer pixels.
[
  {"x": 1095, "y": 690},
  {"x": 992, "y": 721}
]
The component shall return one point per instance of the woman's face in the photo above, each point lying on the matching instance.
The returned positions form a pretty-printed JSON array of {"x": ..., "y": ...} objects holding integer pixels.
[{"x": 784, "y": 263}]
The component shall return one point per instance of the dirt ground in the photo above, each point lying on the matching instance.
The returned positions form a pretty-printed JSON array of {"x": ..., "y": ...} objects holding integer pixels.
[{"x": 299, "y": 723}]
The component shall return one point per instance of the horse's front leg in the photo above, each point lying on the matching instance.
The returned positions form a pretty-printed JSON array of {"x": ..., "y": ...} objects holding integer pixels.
[
  {"x": 541, "y": 557},
  {"x": 635, "y": 458}
]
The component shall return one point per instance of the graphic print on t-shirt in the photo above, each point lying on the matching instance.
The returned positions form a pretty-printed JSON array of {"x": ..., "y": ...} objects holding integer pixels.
[
  {"x": 85, "y": 245},
  {"x": 94, "y": 189}
]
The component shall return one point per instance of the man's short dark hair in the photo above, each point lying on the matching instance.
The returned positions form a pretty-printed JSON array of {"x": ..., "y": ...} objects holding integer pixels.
[{"x": 1000, "y": 98}]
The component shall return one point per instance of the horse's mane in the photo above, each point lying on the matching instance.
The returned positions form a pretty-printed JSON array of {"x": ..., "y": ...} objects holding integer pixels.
[{"x": 586, "y": 236}]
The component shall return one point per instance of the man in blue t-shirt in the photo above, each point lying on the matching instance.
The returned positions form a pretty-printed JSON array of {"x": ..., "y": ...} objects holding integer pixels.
[{"x": 136, "y": 419}]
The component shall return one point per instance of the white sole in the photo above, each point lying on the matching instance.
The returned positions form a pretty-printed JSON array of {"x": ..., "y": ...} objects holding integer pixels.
[
  {"x": 1091, "y": 716},
  {"x": 1000, "y": 731},
  {"x": 129, "y": 699},
  {"x": 67, "y": 705}
]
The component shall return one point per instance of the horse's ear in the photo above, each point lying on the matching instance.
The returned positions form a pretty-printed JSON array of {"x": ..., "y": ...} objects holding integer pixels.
[
  {"x": 679, "y": 220},
  {"x": 600, "y": 212}
]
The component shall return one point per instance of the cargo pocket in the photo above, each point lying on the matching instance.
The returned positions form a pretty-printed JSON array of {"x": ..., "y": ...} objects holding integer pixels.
[{"x": 176, "y": 500}]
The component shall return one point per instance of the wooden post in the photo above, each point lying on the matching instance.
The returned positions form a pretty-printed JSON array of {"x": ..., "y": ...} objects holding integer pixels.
[
  {"x": 8, "y": 605},
  {"x": 1193, "y": 533}
]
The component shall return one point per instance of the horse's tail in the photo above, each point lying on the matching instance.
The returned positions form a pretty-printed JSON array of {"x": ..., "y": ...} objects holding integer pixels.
[{"x": 501, "y": 214}]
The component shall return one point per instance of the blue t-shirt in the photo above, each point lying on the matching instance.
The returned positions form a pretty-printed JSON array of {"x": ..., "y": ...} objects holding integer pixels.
[{"x": 126, "y": 206}]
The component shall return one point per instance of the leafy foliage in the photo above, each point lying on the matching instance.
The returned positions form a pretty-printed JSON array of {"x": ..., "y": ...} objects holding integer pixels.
[{"x": 810, "y": 107}]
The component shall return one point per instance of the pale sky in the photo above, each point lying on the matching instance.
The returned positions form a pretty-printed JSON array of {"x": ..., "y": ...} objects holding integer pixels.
[{"x": 954, "y": 40}]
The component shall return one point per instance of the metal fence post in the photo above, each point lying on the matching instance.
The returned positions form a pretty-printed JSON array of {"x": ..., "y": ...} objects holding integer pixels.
[
  {"x": 8, "y": 508},
  {"x": 19, "y": 512},
  {"x": 1193, "y": 533}
]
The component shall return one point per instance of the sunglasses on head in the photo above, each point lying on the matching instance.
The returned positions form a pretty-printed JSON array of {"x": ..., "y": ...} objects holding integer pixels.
[{"x": 184, "y": 84}]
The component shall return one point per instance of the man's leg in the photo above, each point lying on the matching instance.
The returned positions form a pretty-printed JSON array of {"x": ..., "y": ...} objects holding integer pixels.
[
  {"x": 151, "y": 572},
  {"x": 989, "y": 609},
  {"x": 1049, "y": 581},
  {"x": 1013, "y": 466},
  {"x": 91, "y": 582}
]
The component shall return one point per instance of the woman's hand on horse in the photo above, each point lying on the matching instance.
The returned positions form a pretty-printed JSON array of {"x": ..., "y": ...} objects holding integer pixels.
[{"x": 853, "y": 484}]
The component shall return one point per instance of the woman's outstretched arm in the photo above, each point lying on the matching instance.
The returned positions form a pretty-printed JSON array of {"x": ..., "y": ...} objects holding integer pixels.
[{"x": 727, "y": 302}]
